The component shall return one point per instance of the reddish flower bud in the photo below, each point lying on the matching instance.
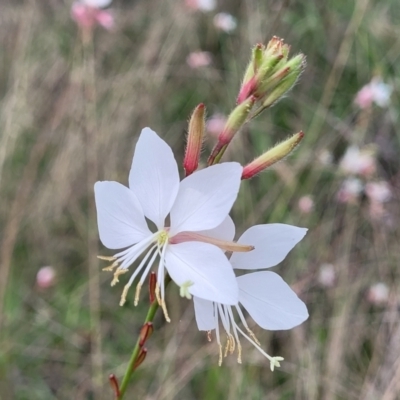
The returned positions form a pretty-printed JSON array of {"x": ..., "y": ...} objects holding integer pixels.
[
  {"x": 114, "y": 385},
  {"x": 141, "y": 357},
  {"x": 195, "y": 140},
  {"x": 272, "y": 156},
  {"x": 145, "y": 332},
  {"x": 152, "y": 287}
]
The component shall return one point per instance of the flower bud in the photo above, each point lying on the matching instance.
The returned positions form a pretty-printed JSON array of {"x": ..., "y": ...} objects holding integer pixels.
[
  {"x": 152, "y": 287},
  {"x": 145, "y": 332},
  {"x": 195, "y": 140},
  {"x": 272, "y": 156},
  {"x": 114, "y": 385},
  {"x": 140, "y": 358},
  {"x": 270, "y": 73},
  {"x": 235, "y": 121}
]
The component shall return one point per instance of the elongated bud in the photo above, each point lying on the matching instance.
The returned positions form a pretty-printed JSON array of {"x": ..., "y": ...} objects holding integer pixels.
[
  {"x": 281, "y": 82},
  {"x": 114, "y": 385},
  {"x": 235, "y": 121},
  {"x": 141, "y": 357},
  {"x": 145, "y": 332},
  {"x": 272, "y": 156},
  {"x": 152, "y": 287},
  {"x": 250, "y": 80},
  {"x": 195, "y": 140}
]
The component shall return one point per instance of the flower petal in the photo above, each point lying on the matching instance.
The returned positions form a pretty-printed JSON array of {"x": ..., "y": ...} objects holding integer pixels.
[
  {"x": 207, "y": 267},
  {"x": 270, "y": 301},
  {"x": 119, "y": 216},
  {"x": 205, "y": 198},
  {"x": 204, "y": 313},
  {"x": 224, "y": 231},
  {"x": 272, "y": 243},
  {"x": 154, "y": 176}
]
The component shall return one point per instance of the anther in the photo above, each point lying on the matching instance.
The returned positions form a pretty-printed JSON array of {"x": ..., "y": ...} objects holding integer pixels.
[
  {"x": 137, "y": 294},
  {"x": 239, "y": 359},
  {"x": 117, "y": 273},
  {"x": 111, "y": 267},
  {"x": 220, "y": 355},
  {"x": 123, "y": 296},
  {"x": 249, "y": 331}
]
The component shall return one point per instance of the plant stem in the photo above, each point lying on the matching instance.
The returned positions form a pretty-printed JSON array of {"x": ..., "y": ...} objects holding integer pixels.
[{"x": 135, "y": 353}]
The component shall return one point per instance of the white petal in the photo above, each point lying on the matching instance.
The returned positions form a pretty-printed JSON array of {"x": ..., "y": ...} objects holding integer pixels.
[
  {"x": 205, "y": 198},
  {"x": 270, "y": 301},
  {"x": 272, "y": 243},
  {"x": 207, "y": 267},
  {"x": 204, "y": 313},
  {"x": 224, "y": 231},
  {"x": 154, "y": 176},
  {"x": 119, "y": 216},
  {"x": 97, "y": 3}
]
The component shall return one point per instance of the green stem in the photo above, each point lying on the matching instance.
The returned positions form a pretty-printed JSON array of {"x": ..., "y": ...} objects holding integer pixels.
[{"x": 135, "y": 353}]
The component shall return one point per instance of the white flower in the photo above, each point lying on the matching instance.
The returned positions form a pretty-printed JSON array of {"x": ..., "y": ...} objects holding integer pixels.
[
  {"x": 200, "y": 202},
  {"x": 267, "y": 298}
]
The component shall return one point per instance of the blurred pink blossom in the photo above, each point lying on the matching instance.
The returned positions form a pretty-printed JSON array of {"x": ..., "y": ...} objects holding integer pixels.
[
  {"x": 201, "y": 5},
  {"x": 225, "y": 22},
  {"x": 327, "y": 275},
  {"x": 378, "y": 294},
  {"x": 379, "y": 192},
  {"x": 198, "y": 59},
  {"x": 349, "y": 191},
  {"x": 88, "y": 13},
  {"x": 306, "y": 204},
  {"x": 215, "y": 124},
  {"x": 45, "y": 277},
  {"x": 374, "y": 92},
  {"x": 358, "y": 161}
]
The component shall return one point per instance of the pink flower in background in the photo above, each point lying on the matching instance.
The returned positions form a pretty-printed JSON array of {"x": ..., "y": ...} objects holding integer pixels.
[
  {"x": 201, "y": 5},
  {"x": 45, "y": 277},
  {"x": 379, "y": 192},
  {"x": 350, "y": 190},
  {"x": 225, "y": 22},
  {"x": 327, "y": 275},
  {"x": 358, "y": 161},
  {"x": 198, "y": 59},
  {"x": 88, "y": 13},
  {"x": 215, "y": 124},
  {"x": 378, "y": 294},
  {"x": 374, "y": 92},
  {"x": 306, "y": 204}
]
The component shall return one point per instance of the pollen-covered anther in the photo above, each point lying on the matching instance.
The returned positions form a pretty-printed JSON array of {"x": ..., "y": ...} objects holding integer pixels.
[
  {"x": 117, "y": 273},
  {"x": 161, "y": 303},
  {"x": 239, "y": 350},
  {"x": 157, "y": 292},
  {"x": 111, "y": 267},
  {"x": 253, "y": 336},
  {"x": 123, "y": 296},
  {"x": 220, "y": 355},
  {"x": 106, "y": 258},
  {"x": 209, "y": 336},
  {"x": 137, "y": 294}
]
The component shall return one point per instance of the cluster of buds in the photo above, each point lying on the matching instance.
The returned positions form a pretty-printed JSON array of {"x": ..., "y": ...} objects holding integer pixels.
[
  {"x": 270, "y": 74},
  {"x": 268, "y": 77}
]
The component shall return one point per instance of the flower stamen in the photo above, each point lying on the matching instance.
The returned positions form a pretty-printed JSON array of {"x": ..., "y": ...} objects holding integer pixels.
[
  {"x": 117, "y": 273},
  {"x": 137, "y": 294}
]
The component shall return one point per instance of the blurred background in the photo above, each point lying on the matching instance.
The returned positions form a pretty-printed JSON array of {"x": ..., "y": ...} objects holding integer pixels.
[{"x": 66, "y": 100}]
